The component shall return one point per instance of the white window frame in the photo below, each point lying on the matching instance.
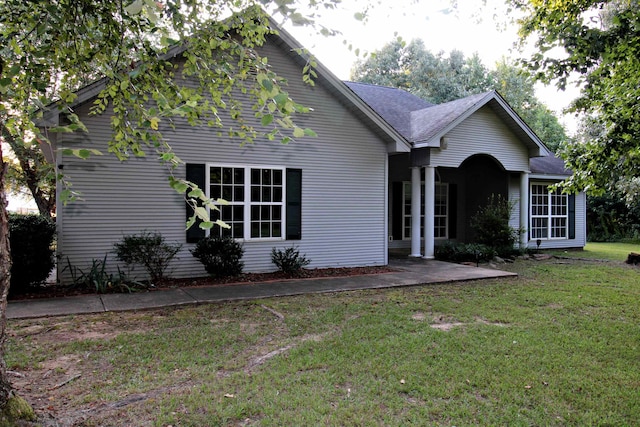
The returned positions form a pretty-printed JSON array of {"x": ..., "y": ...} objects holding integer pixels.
[
  {"x": 442, "y": 188},
  {"x": 247, "y": 203},
  {"x": 550, "y": 208}
]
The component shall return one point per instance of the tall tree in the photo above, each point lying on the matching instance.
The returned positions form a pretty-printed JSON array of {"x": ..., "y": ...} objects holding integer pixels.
[
  {"x": 598, "y": 41},
  {"x": 518, "y": 87},
  {"x": 438, "y": 78},
  {"x": 30, "y": 174},
  {"x": 433, "y": 77},
  {"x": 48, "y": 48}
]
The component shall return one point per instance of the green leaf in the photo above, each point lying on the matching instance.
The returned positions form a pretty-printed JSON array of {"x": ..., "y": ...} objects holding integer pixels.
[
  {"x": 134, "y": 8},
  {"x": 201, "y": 213},
  {"x": 196, "y": 193},
  {"x": 178, "y": 185},
  {"x": 84, "y": 153},
  {"x": 298, "y": 132},
  {"x": 190, "y": 222},
  {"x": 206, "y": 225},
  {"x": 153, "y": 122},
  {"x": 267, "y": 119},
  {"x": 222, "y": 224},
  {"x": 267, "y": 84}
]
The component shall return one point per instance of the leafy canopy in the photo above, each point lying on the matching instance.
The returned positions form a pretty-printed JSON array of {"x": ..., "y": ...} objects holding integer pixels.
[
  {"x": 598, "y": 41},
  {"x": 137, "y": 52}
]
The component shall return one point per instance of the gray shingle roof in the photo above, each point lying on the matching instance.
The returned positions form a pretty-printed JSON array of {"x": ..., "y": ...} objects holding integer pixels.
[
  {"x": 427, "y": 123},
  {"x": 548, "y": 165},
  {"x": 393, "y": 105},
  {"x": 421, "y": 122}
]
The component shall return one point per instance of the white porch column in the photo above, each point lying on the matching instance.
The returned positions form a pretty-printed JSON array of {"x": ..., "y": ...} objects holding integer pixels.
[
  {"x": 429, "y": 211},
  {"x": 415, "y": 212},
  {"x": 524, "y": 208}
]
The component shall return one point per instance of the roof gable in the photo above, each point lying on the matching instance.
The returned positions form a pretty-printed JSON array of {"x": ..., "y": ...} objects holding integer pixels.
[
  {"x": 429, "y": 123},
  {"x": 423, "y": 124},
  {"x": 388, "y": 133}
]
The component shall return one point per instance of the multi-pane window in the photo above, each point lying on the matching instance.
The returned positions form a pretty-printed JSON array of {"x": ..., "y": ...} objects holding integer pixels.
[
  {"x": 255, "y": 199},
  {"x": 549, "y": 213},
  {"x": 266, "y": 203},
  {"x": 228, "y": 183},
  {"x": 441, "y": 217},
  {"x": 406, "y": 210}
]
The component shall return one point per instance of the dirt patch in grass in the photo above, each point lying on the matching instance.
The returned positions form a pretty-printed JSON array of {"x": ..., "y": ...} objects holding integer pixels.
[{"x": 444, "y": 323}]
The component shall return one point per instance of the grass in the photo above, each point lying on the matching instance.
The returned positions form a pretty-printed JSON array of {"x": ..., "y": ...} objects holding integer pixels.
[
  {"x": 558, "y": 346},
  {"x": 605, "y": 251}
]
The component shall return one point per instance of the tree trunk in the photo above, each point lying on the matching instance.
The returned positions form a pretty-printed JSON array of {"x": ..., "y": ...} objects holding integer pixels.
[{"x": 5, "y": 276}]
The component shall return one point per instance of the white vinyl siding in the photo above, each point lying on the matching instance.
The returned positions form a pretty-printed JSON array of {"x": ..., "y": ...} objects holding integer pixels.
[
  {"x": 482, "y": 133},
  {"x": 344, "y": 185}
]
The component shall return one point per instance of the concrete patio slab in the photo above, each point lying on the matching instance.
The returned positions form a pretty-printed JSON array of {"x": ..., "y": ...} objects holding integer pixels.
[
  {"x": 145, "y": 300},
  {"x": 54, "y": 307},
  {"x": 408, "y": 272}
]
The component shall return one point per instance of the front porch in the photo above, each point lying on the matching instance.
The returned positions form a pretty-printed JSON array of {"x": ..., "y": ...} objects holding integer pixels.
[{"x": 442, "y": 200}]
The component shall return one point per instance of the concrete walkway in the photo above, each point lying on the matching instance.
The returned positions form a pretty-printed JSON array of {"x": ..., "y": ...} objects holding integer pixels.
[{"x": 409, "y": 272}]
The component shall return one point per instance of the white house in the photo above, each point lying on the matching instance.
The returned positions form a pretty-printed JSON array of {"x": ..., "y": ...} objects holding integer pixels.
[{"x": 387, "y": 170}]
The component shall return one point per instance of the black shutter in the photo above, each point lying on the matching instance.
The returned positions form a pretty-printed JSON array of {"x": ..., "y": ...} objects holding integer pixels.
[
  {"x": 196, "y": 173},
  {"x": 572, "y": 216},
  {"x": 453, "y": 211},
  {"x": 294, "y": 204},
  {"x": 397, "y": 203}
]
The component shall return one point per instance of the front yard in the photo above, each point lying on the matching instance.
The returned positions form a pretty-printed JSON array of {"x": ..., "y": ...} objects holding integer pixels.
[{"x": 560, "y": 345}]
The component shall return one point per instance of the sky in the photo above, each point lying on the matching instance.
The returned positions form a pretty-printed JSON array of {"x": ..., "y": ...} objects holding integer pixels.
[{"x": 474, "y": 27}]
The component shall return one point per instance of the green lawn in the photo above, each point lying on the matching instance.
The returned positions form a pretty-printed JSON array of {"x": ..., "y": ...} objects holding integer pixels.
[
  {"x": 558, "y": 346},
  {"x": 608, "y": 251}
]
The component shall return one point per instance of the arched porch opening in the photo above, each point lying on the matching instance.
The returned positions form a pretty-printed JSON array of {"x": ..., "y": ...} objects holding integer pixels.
[{"x": 482, "y": 175}]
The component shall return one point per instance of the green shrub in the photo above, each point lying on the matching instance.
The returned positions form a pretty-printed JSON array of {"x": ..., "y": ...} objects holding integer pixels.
[
  {"x": 289, "y": 261},
  {"x": 464, "y": 252},
  {"x": 97, "y": 278},
  {"x": 148, "y": 250},
  {"x": 221, "y": 256},
  {"x": 491, "y": 225},
  {"x": 31, "y": 238}
]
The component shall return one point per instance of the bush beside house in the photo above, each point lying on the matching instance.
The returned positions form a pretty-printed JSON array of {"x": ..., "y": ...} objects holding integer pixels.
[{"x": 32, "y": 251}]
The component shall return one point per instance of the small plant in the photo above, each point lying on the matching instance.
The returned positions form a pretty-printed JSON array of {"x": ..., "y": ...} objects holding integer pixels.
[
  {"x": 31, "y": 239},
  {"x": 464, "y": 252},
  {"x": 100, "y": 280},
  {"x": 491, "y": 225},
  {"x": 289, "y": 261},
  {"x": 148, "y": 250},
  {"x": 221, "y": 256}
]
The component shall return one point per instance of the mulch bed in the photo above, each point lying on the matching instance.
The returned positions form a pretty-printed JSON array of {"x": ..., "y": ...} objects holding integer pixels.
[{"x": 54, "y": 290}]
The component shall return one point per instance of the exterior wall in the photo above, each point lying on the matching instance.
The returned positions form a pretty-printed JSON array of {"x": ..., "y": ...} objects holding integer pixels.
[
  {"x": 482, "y": 133},
  {"x": 344, "y": 184}
]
